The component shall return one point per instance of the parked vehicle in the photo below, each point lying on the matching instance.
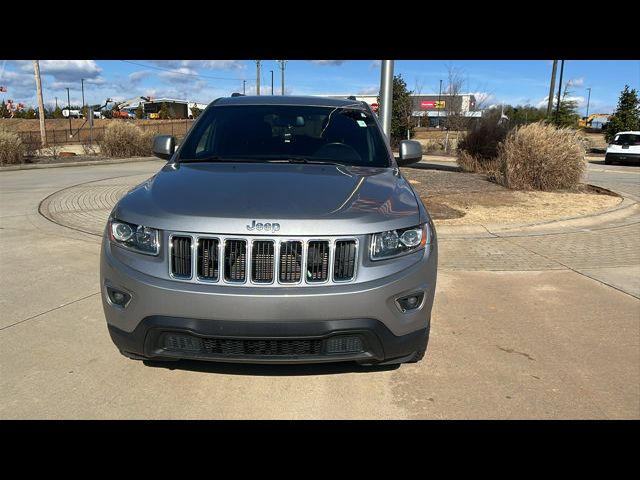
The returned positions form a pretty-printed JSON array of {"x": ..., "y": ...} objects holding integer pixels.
[
  {"x": 280, "y": 230},
  {"x": 625, "y": 147}
]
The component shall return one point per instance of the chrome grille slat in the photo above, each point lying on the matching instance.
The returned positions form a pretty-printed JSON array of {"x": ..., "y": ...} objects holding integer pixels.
[
  {"x": 263, "y": 262},
  {"x": 235, "y": 260}
]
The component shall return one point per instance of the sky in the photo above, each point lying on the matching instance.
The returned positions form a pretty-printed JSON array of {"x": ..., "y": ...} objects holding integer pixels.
[{"x": 495, "y": 82}]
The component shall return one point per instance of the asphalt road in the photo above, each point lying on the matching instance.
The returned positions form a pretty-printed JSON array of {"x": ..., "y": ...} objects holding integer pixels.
[{"x": 507, "y": 344}]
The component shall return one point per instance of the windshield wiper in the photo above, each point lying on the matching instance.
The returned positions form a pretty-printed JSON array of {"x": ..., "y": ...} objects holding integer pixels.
[
  {"x": 217, "y": 158},
  {"x": 301, "y": 160}
]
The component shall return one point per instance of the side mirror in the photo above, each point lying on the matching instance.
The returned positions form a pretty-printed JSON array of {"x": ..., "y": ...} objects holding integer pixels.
[
  {"x": 164, "y": 146},
  {"x": 410, "y": 152}
]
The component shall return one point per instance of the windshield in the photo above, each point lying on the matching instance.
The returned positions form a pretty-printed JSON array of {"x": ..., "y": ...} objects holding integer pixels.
[
  {"x": 286, "y": 133},
  {"x": 627, "y": 139}
]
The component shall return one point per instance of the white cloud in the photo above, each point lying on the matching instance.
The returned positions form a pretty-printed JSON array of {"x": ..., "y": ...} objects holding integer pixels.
[
  {"x": 180, "y": 75},
  {"x": 369, "y": 90},
  {"x": 375, "y": 64},
  {"x": 576, "y": 82},
  {"x": 205, "y": 64},
  {"x": 328, "y": 62},
  {"x": 136, "y": 77},
  {"x": 64, "y": 70}
]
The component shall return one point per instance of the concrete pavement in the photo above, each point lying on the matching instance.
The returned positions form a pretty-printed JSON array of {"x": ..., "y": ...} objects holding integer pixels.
[{"x": 539, "y": 342}]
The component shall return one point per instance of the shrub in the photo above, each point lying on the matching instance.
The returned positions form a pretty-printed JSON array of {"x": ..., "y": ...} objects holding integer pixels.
[
  {"x": 125, "y": 139},
  {"x": 541, "y": 157},
  {"x": 11, "y": 148},
  {"x": 480, "y": 146}
]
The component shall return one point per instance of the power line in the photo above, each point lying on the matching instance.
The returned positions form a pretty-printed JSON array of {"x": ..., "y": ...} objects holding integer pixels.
[{"x": 181, "y": 73}]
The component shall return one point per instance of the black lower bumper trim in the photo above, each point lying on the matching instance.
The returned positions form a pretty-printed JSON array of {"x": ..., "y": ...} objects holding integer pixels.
[
  {"x": 378, "y": 342},
  {"x": 622, "y": 157}
]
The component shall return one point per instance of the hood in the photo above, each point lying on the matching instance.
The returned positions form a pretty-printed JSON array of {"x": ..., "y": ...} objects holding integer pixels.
[{"x": 304, "y": 199}]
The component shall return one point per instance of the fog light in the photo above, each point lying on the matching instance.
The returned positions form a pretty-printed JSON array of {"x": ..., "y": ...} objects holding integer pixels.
[
  {"x": 410, "y": 302},
  {"x": 344, "y": 344},
  {"x": 118, "y": 297}
]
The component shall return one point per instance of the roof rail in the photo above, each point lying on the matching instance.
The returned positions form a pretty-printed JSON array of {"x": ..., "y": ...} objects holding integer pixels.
[{"x": 236, "y": 94}]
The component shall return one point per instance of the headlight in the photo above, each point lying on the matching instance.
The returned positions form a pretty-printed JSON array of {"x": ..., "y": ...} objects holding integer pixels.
[
  {"x": 134, "y": 237},
  {"x": 394, "y": 243}
]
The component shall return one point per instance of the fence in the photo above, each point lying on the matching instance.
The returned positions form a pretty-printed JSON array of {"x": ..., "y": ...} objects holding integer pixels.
[{"x": 86, "y": 135}]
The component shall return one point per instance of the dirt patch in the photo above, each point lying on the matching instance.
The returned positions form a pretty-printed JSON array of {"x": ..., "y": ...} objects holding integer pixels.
[{"x": 457, "y": 198}]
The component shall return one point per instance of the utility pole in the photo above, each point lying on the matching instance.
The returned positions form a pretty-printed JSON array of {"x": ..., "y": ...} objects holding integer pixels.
[
  {"x": 559, "y": 91},
  {"x": 56, "y": 103},
  {"x": 244, "y": 87},
  {"x": 386, "y": 95},
  {"x": 588, "y": 100},
  {"x": 282, "y": 64},
  {"x": 43, "y": 133},
  {"x": 257, "y": 77},
  {"x": 69, "y": 112},
  {"x": 439, "y": 102},
  {"x": 82, "y": 82},
  {"x": 551, "y": 88},
  {"x": 271, "y": 81}
]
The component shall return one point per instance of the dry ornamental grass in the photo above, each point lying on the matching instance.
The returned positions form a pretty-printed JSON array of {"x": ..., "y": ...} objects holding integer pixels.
[
  {"x": 124, "y": 139},
  {"x": 541, "y": 157},
  {"x": 11, "y": 148}
]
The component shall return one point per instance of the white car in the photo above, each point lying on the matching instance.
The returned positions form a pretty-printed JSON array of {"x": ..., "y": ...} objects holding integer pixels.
[{"x": 625, "y": 147}]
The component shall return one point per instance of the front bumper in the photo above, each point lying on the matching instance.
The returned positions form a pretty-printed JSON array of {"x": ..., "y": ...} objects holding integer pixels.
[{"x": 212, "y": 313}]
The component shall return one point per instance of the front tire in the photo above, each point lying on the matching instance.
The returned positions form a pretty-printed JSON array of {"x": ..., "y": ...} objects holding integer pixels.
[{"x": 607, "y": 160}]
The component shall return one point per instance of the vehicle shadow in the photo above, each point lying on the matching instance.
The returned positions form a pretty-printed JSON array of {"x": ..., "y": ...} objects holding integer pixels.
[{"x": 269, "y": 370}]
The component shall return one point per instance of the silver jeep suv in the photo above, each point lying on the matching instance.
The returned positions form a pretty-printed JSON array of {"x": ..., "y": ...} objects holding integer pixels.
[{"x": 281, "y": 230}]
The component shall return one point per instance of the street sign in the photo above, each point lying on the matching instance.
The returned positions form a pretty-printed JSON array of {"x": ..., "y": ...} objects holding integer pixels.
[
  {"x": 375, "y": 107},
  {"x": 429, "y": 104}
]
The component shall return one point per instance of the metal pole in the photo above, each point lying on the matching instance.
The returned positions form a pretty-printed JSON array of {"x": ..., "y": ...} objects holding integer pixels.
[
  {"x": 257, "y": 77},
  {"x": 271, "y": 81},
  {"x": 588, "y": 100},
  {"x": 559, "y": 91},
  {"x": 439, "y": 102},
  {"x": 244, "y": 87},
  {"x": 82, "y": 82},
  {"x": 282, "y": 64},
  {"x": 552, "y": 87},
  {"x": 69, "y": 112},
  {"x": 386, "y": 96},
  {"x": 43, "y": 133}
]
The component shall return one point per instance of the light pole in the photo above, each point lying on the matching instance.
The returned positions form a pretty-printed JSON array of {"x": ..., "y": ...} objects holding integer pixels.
[
  {"x": 559, "y": 90},
  {"x": 551, "y": 88},
  {"x": 257, "y": 77},
  {"x": 386, "y": 95},
  {"x": 82, "y": 83},
  {"x": 69, "y": 111},
  {"x": 244, "y": 87},
  {"x": 588, "y": 100},
  {"x": 282, "y": 64},
  {"x": 271, "y": 81},
  {"x": 439, "y": 102}
]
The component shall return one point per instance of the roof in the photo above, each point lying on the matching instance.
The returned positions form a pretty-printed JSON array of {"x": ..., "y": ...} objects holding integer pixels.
[{"x": 287, "y": 100}]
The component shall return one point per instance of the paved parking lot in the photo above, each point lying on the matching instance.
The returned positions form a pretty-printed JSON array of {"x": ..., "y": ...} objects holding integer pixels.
[{"x": 542, "y": 326}]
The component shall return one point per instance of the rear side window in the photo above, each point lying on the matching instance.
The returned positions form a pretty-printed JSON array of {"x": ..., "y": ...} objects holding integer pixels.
[{"x": 627, "y": 139}]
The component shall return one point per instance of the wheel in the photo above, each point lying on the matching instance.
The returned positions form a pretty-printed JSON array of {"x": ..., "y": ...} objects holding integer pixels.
[{"x": 607, "y": 161}]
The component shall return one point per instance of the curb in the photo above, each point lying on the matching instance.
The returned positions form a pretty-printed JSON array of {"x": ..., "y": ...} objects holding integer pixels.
[
  {"x": 77, "y": 164},
  {"x": 626, "y": 208}
]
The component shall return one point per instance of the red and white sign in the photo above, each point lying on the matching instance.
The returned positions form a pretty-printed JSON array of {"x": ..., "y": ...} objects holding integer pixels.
[
  {"x": 375, "y": 107},
  {"x": 428, "y": 104}
]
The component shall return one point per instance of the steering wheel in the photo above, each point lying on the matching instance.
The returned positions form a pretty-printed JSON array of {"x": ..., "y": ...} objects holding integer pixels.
[{"x": 338, "y": 151}]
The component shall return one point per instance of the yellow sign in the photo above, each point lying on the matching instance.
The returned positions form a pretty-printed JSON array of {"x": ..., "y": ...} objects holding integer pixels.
[{"x": 439, "y": 104}]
